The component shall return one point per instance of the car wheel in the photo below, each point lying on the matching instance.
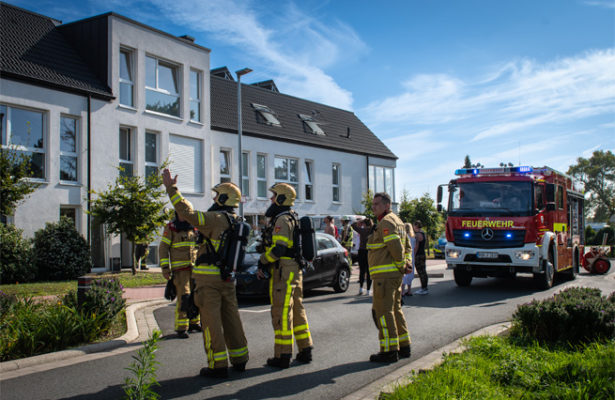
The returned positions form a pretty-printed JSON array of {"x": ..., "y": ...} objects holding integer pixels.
[{"x": 342, "y": 280}]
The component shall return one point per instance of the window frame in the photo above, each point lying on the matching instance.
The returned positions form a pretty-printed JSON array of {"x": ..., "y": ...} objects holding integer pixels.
[
  {"x": 73, "y": 208},
  {"x": 336, "y": 171},
  {"x": 7, "y": 133},
  {"x": 176, "y": 69},
  {"x": 260, "y": 178},
  {"x": 130, "y": 56},
  {"x": 268, "y": 116},
  {"x": 130, "y": 148},
  {"x": 308, "y": 180},
  {"x": 147, "y": 163},
  {"x": 294, "y": 184},
  {"x": 245, "y": 179},
  {"x": 312, "y": 124},
  {"x": 229, "y": 164},
  {"x": 199, "y": 94},
  {"x": 74, "y": 154}
]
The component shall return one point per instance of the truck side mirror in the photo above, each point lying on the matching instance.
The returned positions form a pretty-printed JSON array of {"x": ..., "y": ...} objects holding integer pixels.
[
  {"x": 439, "y": 207},
  {"x": 439, "y": 197}
]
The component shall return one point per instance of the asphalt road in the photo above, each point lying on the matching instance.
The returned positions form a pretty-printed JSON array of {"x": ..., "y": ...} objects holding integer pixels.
[{"x": 344, "y": 337}]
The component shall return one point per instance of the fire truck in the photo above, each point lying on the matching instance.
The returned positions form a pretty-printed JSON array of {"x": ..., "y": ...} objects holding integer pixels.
[{"x": 504, "y": 221}]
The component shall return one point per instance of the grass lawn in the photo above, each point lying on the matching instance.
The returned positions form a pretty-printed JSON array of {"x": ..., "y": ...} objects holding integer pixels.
[{"x": 127, "y": 279}]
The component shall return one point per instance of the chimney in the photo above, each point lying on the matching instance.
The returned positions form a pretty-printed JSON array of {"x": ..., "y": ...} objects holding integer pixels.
[{"x": 187, "y": 38}]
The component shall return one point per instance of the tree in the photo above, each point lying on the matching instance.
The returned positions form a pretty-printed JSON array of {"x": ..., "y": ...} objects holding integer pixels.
[
  {"x": 598, "y": 177},
  {"x": 132, "y": 206},
  {"x": 14, "y": 183},
  {"x": 421, "y": 209},
  {"x": 467, "y": 163},
  {"x": 366, "y": 202}
]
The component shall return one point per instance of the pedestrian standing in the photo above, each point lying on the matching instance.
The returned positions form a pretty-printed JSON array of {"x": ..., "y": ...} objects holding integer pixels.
[
  {"x": 420, "y": 264},
  {"x": 389, "y": 249},
  {"x": 347, "y": 238},
  {"x": 406, "y": 283},
  {"x": 279, "y": 260},
  {"x": 214, "y": 295},
  {"x": 364, "y": 228}
]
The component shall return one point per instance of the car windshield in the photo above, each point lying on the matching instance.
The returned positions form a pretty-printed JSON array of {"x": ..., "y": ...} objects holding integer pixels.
[{"x": 506, "y": 198}]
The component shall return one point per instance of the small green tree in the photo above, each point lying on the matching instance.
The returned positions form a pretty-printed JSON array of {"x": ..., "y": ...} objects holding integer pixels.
[
  {"x": 143, "y": 369},
  {"x": 598, "y": 176},
  {"x": 422, "y": 209},
  {"x": 366, "y": 202},
  {"x": 15, "y": 170},
  {"x": 132, "y": 206}
]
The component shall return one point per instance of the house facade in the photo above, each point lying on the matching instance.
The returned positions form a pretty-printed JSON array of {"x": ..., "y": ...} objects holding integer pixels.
[{"x": 107, "y": 95}]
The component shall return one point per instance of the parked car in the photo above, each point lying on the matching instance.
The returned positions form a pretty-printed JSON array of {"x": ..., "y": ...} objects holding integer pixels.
[
  {"x": 330, "y": 268},
  {"x": 438, "y": 248}
]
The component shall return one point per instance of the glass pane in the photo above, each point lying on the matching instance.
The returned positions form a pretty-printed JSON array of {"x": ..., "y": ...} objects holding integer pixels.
[
  {"x": 260, "y": 167},
  {"x": 281, "y": 168},
  {"x": 127, "y": 169},
  {"x": 262, "y": 189},
  {"x": 336, "y": 193},
  {"x": 166, "y": 78},
  {"x": 388, "y": 181},
  {"x": 225, "y": 168},
  {"x": 308, "y": 192},
  {"x": 244, "y": 164},
  {"x": 150, "y": 72},
  {"x": 294, "y": 173},
  {"x": 379, "y": 179},
  {"x": 372, "y": 177},
  {"x": 162, "y": 103},
  {"x": 150, "y": 148},
  {"x": 68, "y": 213},
  {"x": 308, "y": 172},
  {"x": 126, "y": 94},
  {"x": 125, "y": 71},
  {"x": 125, "y": 144},
  {"x": 194, "y": 85},
  {"x": 2, "y": 123},
  {"x": 26, "y": 128},
  {"x": 37, "y": 164},
  {"x": 195, "y": 111},
  {"x": 225, "y": 179},
  {"x": 150, "y": 170},
  {"x": 68, "y": 168},
  {"x": 245, "y": 187},
  {"x": 68, "y": 138},
  {"x": 335, "y": 174}
]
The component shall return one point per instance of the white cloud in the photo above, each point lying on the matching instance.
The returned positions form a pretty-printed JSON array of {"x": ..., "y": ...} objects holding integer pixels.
[{"x": 600, "y": 3}]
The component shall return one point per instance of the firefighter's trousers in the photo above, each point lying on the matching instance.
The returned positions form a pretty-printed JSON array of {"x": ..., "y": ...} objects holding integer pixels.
[
  {"x": 287, "y": 312},
  {"x": 388, "y": 315},
  {"x": 222, "y": 328},
  {"x": 181, "y": 280}
]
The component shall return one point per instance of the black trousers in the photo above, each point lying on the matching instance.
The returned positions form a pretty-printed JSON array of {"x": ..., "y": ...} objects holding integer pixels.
[{"x": 364, "y": 269}]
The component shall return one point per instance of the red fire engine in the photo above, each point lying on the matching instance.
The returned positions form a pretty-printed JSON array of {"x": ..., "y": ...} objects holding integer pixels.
[{"x": 504, "y": 221}]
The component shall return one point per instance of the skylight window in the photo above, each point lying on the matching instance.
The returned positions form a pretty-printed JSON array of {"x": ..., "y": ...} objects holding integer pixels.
[
  {"x": 312, "y": 125},
  {"x": 267, "y": 115}
]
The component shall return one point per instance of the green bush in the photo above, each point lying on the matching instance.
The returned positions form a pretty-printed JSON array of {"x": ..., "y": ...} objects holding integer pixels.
[
  {"x": 60, "y": 252},
  {"x": 609, "y": 232},
  {"x": 572, "y": 316},
  {"x": 15, "y": 256},
  {"x": 103, "y": 298}
]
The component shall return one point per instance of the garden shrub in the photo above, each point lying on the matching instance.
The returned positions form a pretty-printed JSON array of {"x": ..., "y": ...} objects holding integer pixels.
[
  {"x": 15, "y": 256},
  {"x": 103, "y": 298},
  {"x": 572, "y": 316},
  {"x": 60, "y": 252}
]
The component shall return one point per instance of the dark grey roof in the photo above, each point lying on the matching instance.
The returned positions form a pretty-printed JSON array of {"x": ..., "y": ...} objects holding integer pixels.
[
  {"x": 344, "y": 131},
  {"x": 32, "y": 49}
]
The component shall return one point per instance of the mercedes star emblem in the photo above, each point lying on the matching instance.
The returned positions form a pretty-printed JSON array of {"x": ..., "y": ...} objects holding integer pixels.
[{"x": 487, "y": 234}]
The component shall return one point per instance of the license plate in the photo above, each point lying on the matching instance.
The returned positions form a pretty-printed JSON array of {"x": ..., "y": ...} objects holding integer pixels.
[{"x": 487, "y": 254}]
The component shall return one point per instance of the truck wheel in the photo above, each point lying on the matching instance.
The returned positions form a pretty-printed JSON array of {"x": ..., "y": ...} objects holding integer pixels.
[
  {"x": 545, "y": 279},
  {"x": 342, "y": 280},
  {"x": 601, "y": 266},
  {"x": 462, "y": 278}
]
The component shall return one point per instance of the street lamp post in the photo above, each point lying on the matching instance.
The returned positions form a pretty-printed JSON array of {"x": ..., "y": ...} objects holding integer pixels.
[{"x": 240, "y": 73}]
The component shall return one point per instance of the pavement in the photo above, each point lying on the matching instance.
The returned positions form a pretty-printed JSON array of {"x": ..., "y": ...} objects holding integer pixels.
[{"x": 141, "y": 304}]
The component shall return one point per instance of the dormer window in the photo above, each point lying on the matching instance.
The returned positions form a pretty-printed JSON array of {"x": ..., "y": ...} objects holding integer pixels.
[
  {"x": 312, "y": 126},
  {"x": 267, "y": 116}
]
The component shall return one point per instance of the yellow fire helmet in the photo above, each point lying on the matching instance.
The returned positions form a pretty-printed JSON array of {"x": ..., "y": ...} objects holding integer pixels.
[
  {"x": 227, "y": 194},
  {"x": 285, "y": 194}
]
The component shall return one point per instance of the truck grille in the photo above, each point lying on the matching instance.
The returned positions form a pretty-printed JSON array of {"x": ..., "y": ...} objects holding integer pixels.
[{"x": 473, "y": 238}]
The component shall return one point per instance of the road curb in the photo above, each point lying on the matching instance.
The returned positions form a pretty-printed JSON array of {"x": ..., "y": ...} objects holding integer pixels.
[
  {"x": 132, "y": 335},
  {"x": 402, "y": 376}
]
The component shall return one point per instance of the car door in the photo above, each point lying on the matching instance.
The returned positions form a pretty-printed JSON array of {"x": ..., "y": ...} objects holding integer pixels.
[{"x": 328, "y": 252}]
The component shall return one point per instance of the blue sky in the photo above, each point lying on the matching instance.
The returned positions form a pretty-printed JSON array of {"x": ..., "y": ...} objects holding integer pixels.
[{"x": 529, "y": 82}]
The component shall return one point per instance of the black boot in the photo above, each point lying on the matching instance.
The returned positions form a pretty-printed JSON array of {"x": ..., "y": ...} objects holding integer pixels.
[
  {"x": 305, "y": 355},
  {"x": 195, "y": 328},
  {"x": 384, "y": 357},
  {"x": 219, "y": 373},
  {"x": 280, "y": 362},
  {"x": 404, "y": 352},
  {"x": 182, "y": 335},
  {"x": 240, "y": 367}
]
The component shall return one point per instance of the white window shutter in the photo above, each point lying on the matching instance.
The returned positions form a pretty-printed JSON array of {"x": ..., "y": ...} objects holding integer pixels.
[{"x": 186, "y": 159}]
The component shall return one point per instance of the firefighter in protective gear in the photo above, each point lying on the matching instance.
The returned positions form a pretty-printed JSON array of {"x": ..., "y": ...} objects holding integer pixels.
[
  {"x": 177, "y": 253},
  {"x": 223, "y": 333},
  {"x": 389, "y": 252},
  {"x": 286, "y": 284},
  {"x": 347, "y": 238}
]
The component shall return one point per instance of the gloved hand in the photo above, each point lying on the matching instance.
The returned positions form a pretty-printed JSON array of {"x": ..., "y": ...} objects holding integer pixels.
[{"x": 263, "y": 270}]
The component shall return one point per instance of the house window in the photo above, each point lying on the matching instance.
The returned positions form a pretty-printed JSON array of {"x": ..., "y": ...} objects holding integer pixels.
[
  {"x": 225, "y": 166},
  {"x": 287, "y": 170},
  {"x": 126, "y": 162},
  {"x": 245, "y": 174},
  {"x": 185, "y": 154},
  {"x": 23, "y": 131},
  {"x": 266, "y": 115},
  {"x": 126, "y": 78},
  {"x": 161, "y": 86},
  {"x": 151, "y": 154},
  {"x": 69, "y": 158},
  {"x": 309, "y": 195},
  {"x": 261, "y": 175},
  {"x": 69, "y": 212},
  {"x": 312, "y": 126},
  {"x": 381, "y": 179},
  {"x": 335, "y": 181},
  {"x": 195, "y": 96}
]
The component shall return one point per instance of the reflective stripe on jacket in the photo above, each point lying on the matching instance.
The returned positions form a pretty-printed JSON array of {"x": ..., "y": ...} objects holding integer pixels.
[
  {"x": 388, "y": 246},
  {"x": 177, "y": 249}
]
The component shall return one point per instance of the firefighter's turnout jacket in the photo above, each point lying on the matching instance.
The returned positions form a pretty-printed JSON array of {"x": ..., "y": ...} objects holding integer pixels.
[
  {"x": 286, "y": 286},
  {"x": 389, "y": 250},
  {"x": 177, "y": 253},
  {"x": 347, "y": 237},
  {"x": 223, "y": 333}
]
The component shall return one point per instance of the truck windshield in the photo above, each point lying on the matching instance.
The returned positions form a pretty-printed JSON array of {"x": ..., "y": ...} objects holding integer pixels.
[{"x": 508, "y": 198}]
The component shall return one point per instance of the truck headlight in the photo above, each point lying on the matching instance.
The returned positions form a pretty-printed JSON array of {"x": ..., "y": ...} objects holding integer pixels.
[
  {"x": 452, "y": 253},
  {"x": 524, "y": 255}
]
